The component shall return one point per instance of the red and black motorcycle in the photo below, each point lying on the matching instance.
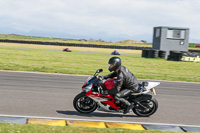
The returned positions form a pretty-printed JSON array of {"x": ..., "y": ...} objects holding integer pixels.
[{"x": 91, "y": 98}]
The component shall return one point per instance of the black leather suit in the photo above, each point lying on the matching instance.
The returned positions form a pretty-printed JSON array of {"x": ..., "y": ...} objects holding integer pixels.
[{"x": 126, "y": 80}]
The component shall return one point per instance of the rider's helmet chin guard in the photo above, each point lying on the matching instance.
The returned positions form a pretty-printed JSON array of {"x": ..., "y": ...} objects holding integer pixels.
[{"x": 114, "y": 63}]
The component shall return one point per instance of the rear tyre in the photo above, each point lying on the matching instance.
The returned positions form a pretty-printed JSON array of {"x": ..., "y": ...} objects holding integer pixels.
[
  {"x": 146, "y": 107},
  {"x": 84, "y": 104}
]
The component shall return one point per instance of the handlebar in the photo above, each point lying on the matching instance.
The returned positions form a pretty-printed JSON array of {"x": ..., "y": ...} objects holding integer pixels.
[{"x": 100, "y": 77}]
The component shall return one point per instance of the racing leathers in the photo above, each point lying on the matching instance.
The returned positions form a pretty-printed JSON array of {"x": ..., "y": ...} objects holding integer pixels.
[{"x": 125, "y": 80}]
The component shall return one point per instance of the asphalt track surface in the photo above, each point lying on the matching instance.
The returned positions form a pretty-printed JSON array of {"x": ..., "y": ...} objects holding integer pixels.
[{"x": 51, "y": 95}]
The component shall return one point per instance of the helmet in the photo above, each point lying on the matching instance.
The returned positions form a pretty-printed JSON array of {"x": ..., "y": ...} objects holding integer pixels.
[{"x": 114, "y": 64}]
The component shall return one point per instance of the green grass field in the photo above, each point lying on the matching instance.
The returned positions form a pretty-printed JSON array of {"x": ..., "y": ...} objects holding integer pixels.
[{"x": 87, "y": 63}]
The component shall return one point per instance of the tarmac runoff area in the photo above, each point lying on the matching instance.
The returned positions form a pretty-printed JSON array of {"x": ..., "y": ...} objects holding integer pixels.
[{"x": 51, "y": 121}]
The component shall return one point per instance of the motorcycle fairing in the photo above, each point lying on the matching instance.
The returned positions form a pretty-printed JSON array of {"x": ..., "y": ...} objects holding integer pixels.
[
  {"x": 110, "y": 83},
  {"x": 152, "y": 85},
  {"x": 106, "y": 99},
  {"x": 137, "y": 98},
  {"x": 86, "y": 82}
]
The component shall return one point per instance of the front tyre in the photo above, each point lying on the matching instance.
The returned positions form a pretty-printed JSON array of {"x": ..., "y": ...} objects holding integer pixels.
[
  {"x": 84, "y": 104},
  {"x": 146, "y": 107}
]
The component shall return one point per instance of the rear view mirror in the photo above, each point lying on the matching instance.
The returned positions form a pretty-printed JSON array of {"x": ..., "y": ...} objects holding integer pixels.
[{"x": 99, "y": 71}]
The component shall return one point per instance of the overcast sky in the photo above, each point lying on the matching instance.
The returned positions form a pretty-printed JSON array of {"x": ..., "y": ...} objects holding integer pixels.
[{"x": 110, "y": 20}]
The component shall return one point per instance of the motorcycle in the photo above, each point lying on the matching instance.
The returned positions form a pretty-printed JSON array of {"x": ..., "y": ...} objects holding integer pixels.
[{"x": 145, "y": 103}]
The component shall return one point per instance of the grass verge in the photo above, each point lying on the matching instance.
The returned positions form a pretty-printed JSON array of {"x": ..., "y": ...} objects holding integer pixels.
[
  {"x": 87, "y": 64},
  {"x": 29, "y": 128}
]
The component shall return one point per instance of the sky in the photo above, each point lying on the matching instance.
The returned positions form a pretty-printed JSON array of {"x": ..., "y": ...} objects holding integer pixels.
[{"x": 110, "y": 20}]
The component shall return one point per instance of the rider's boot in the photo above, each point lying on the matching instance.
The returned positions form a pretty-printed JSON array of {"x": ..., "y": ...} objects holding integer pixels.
[
  {"x": 124, "y": 101},
  {"x": 128, "y": 108}
]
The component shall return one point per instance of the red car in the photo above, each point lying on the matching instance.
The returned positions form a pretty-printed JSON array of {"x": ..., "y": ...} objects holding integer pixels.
[
  {"x": 67, "y": 49},
  {"x": 198, "y": 46}
]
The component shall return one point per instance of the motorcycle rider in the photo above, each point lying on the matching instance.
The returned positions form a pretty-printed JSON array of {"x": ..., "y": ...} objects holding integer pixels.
[{"x": 125, "y": 79}]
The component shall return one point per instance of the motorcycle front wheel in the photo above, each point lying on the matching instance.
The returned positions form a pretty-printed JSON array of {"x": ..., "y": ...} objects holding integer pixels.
[
  {"x": 146, "y": 108},
  {"x": 84, "y": 104}
]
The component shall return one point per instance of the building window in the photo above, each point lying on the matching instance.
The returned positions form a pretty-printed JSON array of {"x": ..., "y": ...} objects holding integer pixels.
[
  {"x": 176, "y": 34},
  {"x": 157, "y": 32}
]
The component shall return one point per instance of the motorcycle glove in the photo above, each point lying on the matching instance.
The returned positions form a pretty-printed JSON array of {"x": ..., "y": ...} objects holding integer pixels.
[{"x": 101, "y": 77}]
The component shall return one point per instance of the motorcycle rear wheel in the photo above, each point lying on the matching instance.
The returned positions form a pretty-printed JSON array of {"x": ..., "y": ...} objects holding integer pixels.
[
  {"x": 151, "y": 106},
  {"x": 84, "y": 104}
]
